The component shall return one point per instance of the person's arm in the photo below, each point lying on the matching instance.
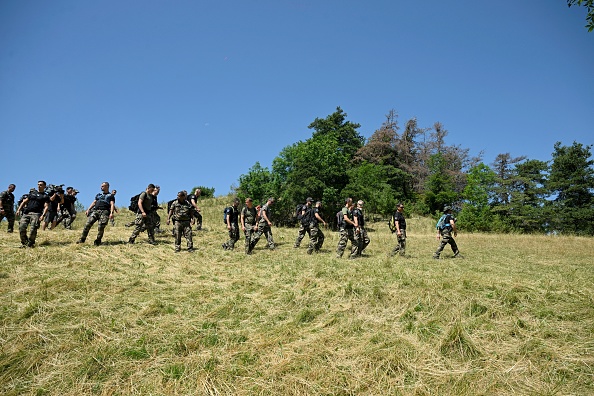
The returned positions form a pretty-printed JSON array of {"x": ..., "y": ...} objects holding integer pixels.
[
  {"x": 91, "y": 206},
  {"x": 396, "y": 218},
  {"x": 242, "y": 221},
  {"x": 265, "y": 217},
  {"x": 320, "y": 218},
  {"x": 140, "y": 207},
  {"x": 45, "y": 209},
  {"x": 169, "y": 215},
  {"x": 22, "y": 205},
  {"x": 229, "y": 220},
  {"x": 111, "y": 209}
]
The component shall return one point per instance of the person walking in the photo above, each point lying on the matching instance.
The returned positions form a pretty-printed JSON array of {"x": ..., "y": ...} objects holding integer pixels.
[
  {"x": 249, "y": 224},
  {"x": 34, "y": 208},
  {"x": 361, "y": 237},
  {"x": 101, "y": 209},
  {"x": 346, "y": 227},
  {"x": 231, "y": 222},
  {"x": 316, "y": 239},
  {"x": 181, "y": 212},
  {"x": 446, "y": 227},
  {"x": 400, "y": 224},
  {"x": 143, "y": 218},
  {"x": 264, "y": 225},
  {"x": 7, "y": 206}
]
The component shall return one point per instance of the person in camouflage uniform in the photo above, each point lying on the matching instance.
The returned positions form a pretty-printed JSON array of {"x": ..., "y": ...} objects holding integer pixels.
[
  {"x": 303, "y": 225},
  {"x": 68, "y": 209},
  {"x": 449, "y": 228},
  {"x": 316, "y": 239},
  {"x": 193, "y": 198},
  {"x": 181, "y": 212},
  {"x": 101, "y": 209},
  {"x": 361, "y": 237},
  {"x": 264, "y": 225},
  {"x": 143, "y": 218},
  {"x": 156, "y": 219},
  {"x": 33, "y": 208},
  {"x": 7, "y": 206},
  {"x": 400, "y": 224},
  {"x": 249, "y": 224},
  {"x": 232, "y": 225},
  {"x": 346, "y": 229}
]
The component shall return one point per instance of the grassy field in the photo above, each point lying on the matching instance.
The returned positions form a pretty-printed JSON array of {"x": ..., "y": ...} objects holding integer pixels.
[{"x": 514, "y": 317}]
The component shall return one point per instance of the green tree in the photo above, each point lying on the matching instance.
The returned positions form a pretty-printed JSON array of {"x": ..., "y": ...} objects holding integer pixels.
[
  {"x": 476, "y": 212},
  {"x": 205, "y": 192},
  {"x": 525, "y": 210},
  {"x": 256, "y": 184},
  {"x": 571, "y": 182},
  {"x": 440, "y": 185},
  {"x": 589, "y": 4}
]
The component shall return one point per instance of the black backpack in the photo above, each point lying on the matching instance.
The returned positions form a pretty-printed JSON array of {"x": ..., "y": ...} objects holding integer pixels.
[
  {"x": 228, "y": 210},
  {"x": 308, "y": 216},
  {"x": 298, "y": 210},
  {"x": 134, "y": 203}
]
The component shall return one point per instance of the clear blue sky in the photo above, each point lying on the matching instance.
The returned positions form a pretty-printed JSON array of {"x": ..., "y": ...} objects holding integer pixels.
[{"x": 188, "y": 92}]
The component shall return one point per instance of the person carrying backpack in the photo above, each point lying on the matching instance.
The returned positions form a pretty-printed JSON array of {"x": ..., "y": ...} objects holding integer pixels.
[
  {"x": 361, "y": 237},
  {"x": 303, "y": 210},
  {"x": 264, "y": 225},
  {"x": 446, "y": 226},
  {"x": 249, "y": 224},
  {"x": 101, "y": 209},
  {"x": 316, "y": 238},
  {"x": 231, "y": 217},
  {"x": 143, "y": 219},
  {"x": 346, "y": 229},
  {"x": 400, "y": 225}
]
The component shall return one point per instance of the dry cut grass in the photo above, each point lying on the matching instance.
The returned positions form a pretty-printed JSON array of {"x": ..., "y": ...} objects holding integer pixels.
[{"x": 515, "y": 316}]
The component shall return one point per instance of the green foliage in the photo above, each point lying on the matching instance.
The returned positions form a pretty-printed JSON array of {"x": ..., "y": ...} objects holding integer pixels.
[
  {"x": 571, "y": 181},
  {"x": 440, "y": 184},
  {"x": 476, "y": 213},
  {"x": 589, "y": 4},
  {"x": 256, "y": 184},
  {"x": 205, "y": 192}
]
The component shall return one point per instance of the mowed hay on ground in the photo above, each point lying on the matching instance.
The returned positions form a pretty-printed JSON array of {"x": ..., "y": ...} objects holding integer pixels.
[{"x": 515, "y": 316}]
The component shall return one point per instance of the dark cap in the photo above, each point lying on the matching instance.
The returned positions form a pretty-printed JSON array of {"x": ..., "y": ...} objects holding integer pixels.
[
  {"x": 446, "y": 209},
  {"x": 309, "y": 199}
]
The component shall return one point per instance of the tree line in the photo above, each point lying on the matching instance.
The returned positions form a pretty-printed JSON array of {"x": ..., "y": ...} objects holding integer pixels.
[{"x": 416, "y": 166}]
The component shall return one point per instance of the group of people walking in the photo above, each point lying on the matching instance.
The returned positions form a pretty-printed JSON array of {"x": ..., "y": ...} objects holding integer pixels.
[{"x": 183, "y": 211}]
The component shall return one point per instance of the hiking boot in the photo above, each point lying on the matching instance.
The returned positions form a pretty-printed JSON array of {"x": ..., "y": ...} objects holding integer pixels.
[
  {"x": 177, "y": 250},
  {"x": 151, "y": 242},
  {"x": 81, "y": 240},
  {"x": 435, "y": 257},
  {"x": 190, "y": 250},
  {"x": 97, "y": 242},
  {"x": 458, "y": 255},
  {"x": 131, "y": 241}
]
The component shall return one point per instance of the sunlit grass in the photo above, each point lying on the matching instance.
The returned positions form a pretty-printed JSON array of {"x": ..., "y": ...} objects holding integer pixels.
[{"x": 515, "y": 316}]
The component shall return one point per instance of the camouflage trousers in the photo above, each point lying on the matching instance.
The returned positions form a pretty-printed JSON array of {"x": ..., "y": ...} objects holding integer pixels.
[
  {"x": 401, "y": 246},
  {"x": 34, "y": 220},
  {"x": 182, "y": 227},
  {"x": 446, "y": 238},
  {"x": 143, "y": 223},
  {"x": 301, "y": 234},
  {"x": 361, "y": 241},
  {"x": 249, "y": 239},
  {"x": 233, "y": 237},
  {"x": 66, "y": 217},
  {"x": 316, "y": 238},
  {"x": 96, "y": 215},
  {"x": 9, "y": 217},
  {"x": 263, "y": 228},
  {"x": 346, "y": 235}
]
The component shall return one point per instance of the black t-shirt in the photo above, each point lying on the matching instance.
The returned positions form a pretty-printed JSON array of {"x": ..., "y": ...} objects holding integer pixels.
[
  {"x": 69, "y": 201},
  {"x": 399, "y": 218},
  {"x": 36, "y": 202}
]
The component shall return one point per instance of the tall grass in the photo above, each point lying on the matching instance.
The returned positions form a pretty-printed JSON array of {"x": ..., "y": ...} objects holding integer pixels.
[{"x": 515, "y": 316}]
